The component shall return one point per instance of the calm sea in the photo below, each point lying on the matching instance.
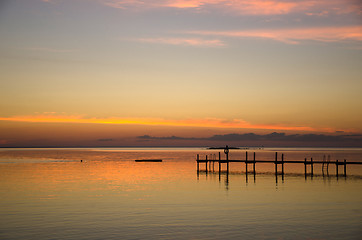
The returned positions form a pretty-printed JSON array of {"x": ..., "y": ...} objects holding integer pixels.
[{"x": 51, "y": 194}]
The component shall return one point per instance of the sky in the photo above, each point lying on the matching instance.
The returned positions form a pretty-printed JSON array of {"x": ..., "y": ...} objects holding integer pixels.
[{"x": 180, "y": 73}]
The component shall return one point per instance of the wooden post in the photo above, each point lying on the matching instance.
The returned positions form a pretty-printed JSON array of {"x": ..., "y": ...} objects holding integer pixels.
[
  {"x": 337, "y": 168},
  {"x": 282, "y": 164},
  {"x": 345, "y": 168},
  {"x": 311, "y": 166},
  {"x": 246, "y": 166},
  {"x": 254, "y": 165},
  {"x": 198, "y": 163},
  {"x": 246, "y": 163},
  {"x": 227, "y": 167},
  {"x": 219, "y": 167},
  {"x": 227, "y": 181},
  {"x": 275, "y": 163},
  {"x": 305, "y": 167},
  {"x": 219, "y": 162},
  {"x": 227, "y": 160},
  {"x": 206, "y": 163}
]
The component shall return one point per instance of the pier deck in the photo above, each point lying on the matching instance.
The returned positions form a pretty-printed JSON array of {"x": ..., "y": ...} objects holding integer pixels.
[{"x": 276, "y": 162}]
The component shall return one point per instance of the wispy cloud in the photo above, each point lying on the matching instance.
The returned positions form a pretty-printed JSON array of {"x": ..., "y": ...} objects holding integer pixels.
[
  {"x": 209, "y": 123},
  {"x": 247, "y": 7},
  {"x": 50, "y": 50},
  {"x": 293, "y": 36},
  {"x": 196, "y": 42},
  {"x": 123, "y": 4},
  {"x": 49, "y": 1}
]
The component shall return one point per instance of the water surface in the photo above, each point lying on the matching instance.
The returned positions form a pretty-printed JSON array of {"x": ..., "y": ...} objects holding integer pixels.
[{"x": 51, "y": 194}]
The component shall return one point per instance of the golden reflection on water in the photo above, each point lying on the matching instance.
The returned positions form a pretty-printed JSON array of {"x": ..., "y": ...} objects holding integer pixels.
[{"x": 52, "y": 194}]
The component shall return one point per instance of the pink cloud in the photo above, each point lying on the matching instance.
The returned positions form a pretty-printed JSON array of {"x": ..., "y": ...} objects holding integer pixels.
[
  {"x": 157, "y": 3},
  {"x": 248, "y": 7},
  {"x": 293, "y": 36},
  {"x": 184, "y": 4},
  {"x": 184, "y": 41},
  {"x": 261, "y": 7}
]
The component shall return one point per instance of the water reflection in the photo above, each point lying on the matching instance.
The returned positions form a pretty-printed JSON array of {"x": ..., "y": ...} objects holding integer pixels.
[
  {"x": 109, "y": 196},
  {"x": 224, "y": 176}
]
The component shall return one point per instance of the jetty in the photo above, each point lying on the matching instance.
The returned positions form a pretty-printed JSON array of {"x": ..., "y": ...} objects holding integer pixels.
[{"x": 278, "y": 162}]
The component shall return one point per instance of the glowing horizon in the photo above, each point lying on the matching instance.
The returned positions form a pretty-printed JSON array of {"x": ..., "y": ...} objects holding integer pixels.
[
  {"x": 117, "y": 69},
  {"x": 206, "y": 123}
]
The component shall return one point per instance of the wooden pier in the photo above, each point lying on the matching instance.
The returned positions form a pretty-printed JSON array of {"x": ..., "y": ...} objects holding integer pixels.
[{"x": 210, "y": 162}]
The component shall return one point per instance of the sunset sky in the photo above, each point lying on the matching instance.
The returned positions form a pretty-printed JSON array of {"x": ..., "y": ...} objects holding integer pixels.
[{"x": 180, "y": 73}]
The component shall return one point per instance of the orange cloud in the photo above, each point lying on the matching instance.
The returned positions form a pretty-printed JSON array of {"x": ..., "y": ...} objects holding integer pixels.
[
  {"x": 185, "y": 3},
  {"x": 247, "y": 7},
  {"x": 294, "y": 36},
  {"x": 184, "y": 41},
  {"x": 209, "y": 123},
  {"x": 261, "y": 7}
]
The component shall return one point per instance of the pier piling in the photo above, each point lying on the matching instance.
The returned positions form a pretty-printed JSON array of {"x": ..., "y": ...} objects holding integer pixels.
[
  {"x": 246, "y": 163},
  {"x": 276, "y": 163},
  {"x": 211, "y": 159},
  {"x": 226, "y": 151},
  {"x": 254, "y": 166},
  {"x": 206, "y": 163},
  {"x": 219, "y": 162},
  {"x": 282, "y": 164}
]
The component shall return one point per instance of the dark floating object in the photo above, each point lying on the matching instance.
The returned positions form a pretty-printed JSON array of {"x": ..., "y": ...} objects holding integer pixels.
[{"x": 148, "y": 160}]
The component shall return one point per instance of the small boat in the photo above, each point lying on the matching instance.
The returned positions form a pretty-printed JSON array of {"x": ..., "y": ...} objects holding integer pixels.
[{"x": 148, "y": 160}]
